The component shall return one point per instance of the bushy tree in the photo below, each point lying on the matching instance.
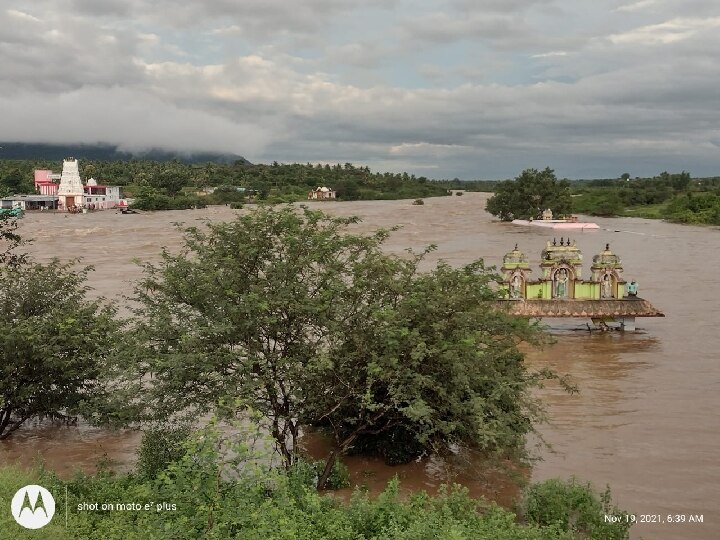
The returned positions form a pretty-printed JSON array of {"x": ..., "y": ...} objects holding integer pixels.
[
  {"x": 529, "y": 194},
  {"x": 171, "y": 180},
  {"x": 303, "y": 321},
  {"x": 53, "y": 340},
  {"x": 242, "y": 312},
  {"x": 424, "y": 363}
]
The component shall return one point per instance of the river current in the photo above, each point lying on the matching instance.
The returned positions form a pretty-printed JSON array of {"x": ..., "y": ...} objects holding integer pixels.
[{"x": 645, "y": 421}]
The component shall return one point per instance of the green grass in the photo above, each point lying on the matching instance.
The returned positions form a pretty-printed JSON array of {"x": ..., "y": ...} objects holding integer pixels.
[
  {"x": 12, "y": 479},
  {"x": 649, "y": 211}
]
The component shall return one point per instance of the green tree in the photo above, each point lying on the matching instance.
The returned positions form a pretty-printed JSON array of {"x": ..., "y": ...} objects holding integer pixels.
[
  {"x": 170, "y": 180},
  {"x": 424, "y": 362},
  {"x": 241, "y": 312},
  {"x": 529, "y": 194},
  {"x": 13, "y": 182},
  {"x": 53, "y": 341},
  {"x": 610, "y": 204},
  {"x": 302, "y": 321}
]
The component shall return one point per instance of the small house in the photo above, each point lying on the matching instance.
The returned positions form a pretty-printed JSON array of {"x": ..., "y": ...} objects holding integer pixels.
[{"x": 321, "y": 194}]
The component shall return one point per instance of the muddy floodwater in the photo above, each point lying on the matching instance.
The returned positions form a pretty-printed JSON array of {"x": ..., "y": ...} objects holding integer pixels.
[{"x": 646, "y": 421}]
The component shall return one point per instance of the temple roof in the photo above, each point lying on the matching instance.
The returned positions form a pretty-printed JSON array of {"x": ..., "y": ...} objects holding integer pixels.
[
  {"x": 606, "y": 258},
  {"x": 563, "y": 252},
  {"x": 626, "y": 307},
  {"x": 515, "y": 258}
]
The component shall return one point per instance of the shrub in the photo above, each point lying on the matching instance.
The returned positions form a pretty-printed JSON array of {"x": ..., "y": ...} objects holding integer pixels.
[
  {"x": 576, "y": 507},
  {"x": 150, "y": 199},
  {"x": 159, "y": 447},
  {"x": 418, "y": 202}
]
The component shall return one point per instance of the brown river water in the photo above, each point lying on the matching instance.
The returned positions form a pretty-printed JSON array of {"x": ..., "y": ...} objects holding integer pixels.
[{"x": 646, "y": 420}]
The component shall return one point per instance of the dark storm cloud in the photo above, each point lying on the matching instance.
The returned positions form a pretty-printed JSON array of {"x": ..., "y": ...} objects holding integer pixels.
[{"x": 587, "y": 88}]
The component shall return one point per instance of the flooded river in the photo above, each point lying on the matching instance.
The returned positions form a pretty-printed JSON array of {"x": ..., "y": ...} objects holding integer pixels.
[{"x": 646, "y": 420}]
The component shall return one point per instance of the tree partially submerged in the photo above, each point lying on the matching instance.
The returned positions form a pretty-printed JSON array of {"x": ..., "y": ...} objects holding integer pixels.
[
  {"x": 53, "y": 340},
  {"x": 310, "y": 324},
  {"x": 425, "y": 363},
  {"x": 529, "y": 194}
]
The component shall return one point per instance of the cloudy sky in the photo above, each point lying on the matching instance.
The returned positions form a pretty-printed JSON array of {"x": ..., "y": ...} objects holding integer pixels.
[{"x": 443, "y": 88}]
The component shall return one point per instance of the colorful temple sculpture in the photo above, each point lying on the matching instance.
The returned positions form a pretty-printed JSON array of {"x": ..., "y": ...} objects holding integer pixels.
[{"x": 561, "y": 291}]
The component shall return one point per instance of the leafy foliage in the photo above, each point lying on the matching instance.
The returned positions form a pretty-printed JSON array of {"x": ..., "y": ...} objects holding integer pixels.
[
  {"x": 675, "y": 197},
  {"x": 219, "y": 492},
  {"x": 288, "y": 313},
  {"x": 241, "y": 313},
  {"x": 160, "y": 446},
  {"x": 150, "y": 199},
  {"x": 424, "y": 363},
  {"x": 577, "y": 508},
  {"x": 53, "y": 340},
  {"x": 289, "y": 182},
  {"x": 529, "y": 194}
]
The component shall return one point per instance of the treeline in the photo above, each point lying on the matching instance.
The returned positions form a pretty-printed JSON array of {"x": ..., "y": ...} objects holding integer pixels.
[
  {"x": 676, "y": 197},
  {"x": 282, "y": 182}
]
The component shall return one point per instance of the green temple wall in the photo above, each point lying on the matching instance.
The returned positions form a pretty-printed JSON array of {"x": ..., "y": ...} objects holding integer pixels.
[{"x": 587, "y": 290}]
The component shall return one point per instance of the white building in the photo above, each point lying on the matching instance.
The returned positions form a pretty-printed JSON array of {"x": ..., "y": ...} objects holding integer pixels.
[
  {"x": 73, "y": 195},
  {"x": 70, "y": 191},
  {"x": 98, "y": 196}
]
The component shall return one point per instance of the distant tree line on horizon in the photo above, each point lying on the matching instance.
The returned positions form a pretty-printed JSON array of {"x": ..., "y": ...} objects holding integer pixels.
[
  {"x": 160, "y": 185},
  {"x": 274, "y": 182},
  {"x": 676, "y": 197}
]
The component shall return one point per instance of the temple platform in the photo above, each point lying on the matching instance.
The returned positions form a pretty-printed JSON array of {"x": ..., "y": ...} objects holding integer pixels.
[
  {"x": 592, "y": 309},
  {"x": 556, "y": 224}
]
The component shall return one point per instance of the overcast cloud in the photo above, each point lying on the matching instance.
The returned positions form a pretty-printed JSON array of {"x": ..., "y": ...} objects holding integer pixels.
[{"x": 445, "y": 88}]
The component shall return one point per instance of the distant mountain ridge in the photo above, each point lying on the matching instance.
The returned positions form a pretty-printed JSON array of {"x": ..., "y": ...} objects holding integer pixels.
[{"x": 108, "y": 152}]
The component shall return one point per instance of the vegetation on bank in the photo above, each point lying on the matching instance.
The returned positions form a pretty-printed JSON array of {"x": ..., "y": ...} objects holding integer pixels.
[
  {"x": 215, "y": 490},
  {"x": 281, "y": 318},
  {"x": 529, "y": 195},
  {"x": 675, "y": 197},
  {"x": 288, "y": 312},
  {"x": 164, "y": 182}
]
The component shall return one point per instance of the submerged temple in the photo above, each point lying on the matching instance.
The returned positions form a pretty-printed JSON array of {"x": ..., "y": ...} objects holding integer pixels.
[{"x": 561, "y": 291}]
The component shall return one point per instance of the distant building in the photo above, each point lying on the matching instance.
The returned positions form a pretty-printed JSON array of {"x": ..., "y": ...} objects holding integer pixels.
[
  {"x": 29, "y": 202},
  {"x": 46, "y": 182},
  {"x": 70, "y": 193},
  {"x": 321, "y": 194},
  {"x": 98, "y": 196}
]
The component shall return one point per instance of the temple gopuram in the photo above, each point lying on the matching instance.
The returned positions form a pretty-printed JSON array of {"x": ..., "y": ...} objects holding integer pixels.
[{"x": 560, "y": 291}]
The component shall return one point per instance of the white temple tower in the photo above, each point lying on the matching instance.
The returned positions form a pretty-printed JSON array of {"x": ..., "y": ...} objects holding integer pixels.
[{"x": 70, "y": 190}]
